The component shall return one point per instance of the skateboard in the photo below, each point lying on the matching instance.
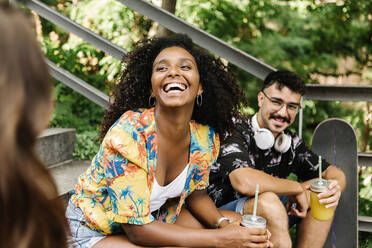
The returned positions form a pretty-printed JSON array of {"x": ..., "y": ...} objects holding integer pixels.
[{"x": 335, "y": 141}]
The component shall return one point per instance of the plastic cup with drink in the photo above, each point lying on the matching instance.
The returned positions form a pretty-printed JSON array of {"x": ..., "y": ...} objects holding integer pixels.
[
  {"x": 254, "y": 221},
  {"x": 318, "y": 210}
]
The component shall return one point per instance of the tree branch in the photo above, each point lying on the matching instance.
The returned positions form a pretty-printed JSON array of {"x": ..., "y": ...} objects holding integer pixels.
[{"x": 170, "y": 6}]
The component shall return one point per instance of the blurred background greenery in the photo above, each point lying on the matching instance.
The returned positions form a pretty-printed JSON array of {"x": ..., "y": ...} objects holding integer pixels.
[{"x": 326, "y": 42}]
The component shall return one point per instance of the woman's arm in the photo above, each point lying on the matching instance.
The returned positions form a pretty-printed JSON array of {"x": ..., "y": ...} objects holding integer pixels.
[
  {"x": 163, "y": 234},
  {"x": 204, "y": 209}
]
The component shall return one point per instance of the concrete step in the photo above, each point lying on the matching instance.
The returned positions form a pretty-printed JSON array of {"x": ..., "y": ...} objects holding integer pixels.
[
  {"x": 56, "y": 145},
  {"x": 66, "y": 175}
]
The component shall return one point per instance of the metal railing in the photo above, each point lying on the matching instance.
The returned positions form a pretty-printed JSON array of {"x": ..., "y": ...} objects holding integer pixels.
[
  {"x": 200, "y": 37},
  {"x": 78, "y": 85},
  {"x": 75, "y": 28},
  {"x": 203, "y": 39}
]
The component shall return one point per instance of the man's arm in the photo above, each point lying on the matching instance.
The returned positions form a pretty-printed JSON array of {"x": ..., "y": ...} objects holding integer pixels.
[
  {"x": 333, "y": 173},
  {"x": 244, "y": 181}
]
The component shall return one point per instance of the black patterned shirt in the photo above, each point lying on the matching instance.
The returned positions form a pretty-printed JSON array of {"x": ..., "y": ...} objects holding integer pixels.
[{"x": 240, "y": 151}]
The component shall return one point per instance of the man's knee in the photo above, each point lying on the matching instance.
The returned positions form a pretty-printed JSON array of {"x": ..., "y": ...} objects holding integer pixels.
[
  {"x": 269, "y": 205},
  {"x": 270, "y": 201}
]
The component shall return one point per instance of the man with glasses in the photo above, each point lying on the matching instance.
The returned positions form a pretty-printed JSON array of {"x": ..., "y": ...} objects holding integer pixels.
[{"x": 263, "y": 151}]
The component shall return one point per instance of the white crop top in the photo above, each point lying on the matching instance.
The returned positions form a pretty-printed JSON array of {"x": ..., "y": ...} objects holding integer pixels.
[{"x": 160, "y": 194}]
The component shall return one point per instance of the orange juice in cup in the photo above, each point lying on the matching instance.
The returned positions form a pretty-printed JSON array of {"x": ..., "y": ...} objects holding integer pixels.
[{"x": 318, "y": 210}]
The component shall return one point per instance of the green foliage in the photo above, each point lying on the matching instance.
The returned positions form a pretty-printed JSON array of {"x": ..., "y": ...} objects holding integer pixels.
[
  {"x": 87, "y": 145},
  {"x": 71, "y": 108},
  {"x": 308, "y": 37},
  {"x": 108, "y": 18},
  {"x": 68, "y": 112},
  {"x": 292, "y": 233},
  {"x": 233, "y": 21},
  {"x": 365, "y": 240},
  {"x": 111, "y": 20},
  {"x": 365, "y": 192},
  {"x": 365, "y": 203}
]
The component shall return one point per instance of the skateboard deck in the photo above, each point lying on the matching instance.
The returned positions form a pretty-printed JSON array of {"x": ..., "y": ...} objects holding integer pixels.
[{"x": 335, "y": 141}]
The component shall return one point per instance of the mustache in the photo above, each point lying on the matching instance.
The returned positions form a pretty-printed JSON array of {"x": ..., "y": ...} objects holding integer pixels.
[{"x": 280, "y": 117}]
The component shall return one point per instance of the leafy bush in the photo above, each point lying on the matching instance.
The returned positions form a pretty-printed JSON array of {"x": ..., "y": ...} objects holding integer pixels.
[
  {"x": 86, "y": 146},
  {"x": 365, "y": 191}
]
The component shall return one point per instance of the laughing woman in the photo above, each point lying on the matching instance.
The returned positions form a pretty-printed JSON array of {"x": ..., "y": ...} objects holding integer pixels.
[{"x": 147, "y": 184}]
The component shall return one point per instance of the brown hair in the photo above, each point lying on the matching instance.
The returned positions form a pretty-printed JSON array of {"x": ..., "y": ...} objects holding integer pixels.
[{"x": 31, "y": 215}]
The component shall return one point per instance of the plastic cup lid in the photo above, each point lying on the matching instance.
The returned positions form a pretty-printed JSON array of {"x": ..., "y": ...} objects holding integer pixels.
[
  {"x": 253, "y": 221},
  {"x": 319, "y": 185}
]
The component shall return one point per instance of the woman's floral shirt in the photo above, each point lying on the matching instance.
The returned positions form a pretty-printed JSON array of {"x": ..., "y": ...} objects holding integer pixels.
[{"x": 116, "y": 188}]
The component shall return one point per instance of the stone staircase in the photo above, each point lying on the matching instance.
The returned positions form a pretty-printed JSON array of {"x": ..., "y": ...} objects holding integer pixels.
[{"x": 55, "y": 147}]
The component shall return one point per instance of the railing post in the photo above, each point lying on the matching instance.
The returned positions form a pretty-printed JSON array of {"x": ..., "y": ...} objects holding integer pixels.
[{"x": 300, "y": 119}]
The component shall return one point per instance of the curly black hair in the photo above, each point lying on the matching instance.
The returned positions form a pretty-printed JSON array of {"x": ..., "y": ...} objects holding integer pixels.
[{"x": 222, "y": 96}]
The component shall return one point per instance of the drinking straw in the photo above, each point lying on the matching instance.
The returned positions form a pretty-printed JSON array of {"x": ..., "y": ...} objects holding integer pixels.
[
  {"x": 320, "y": 168},
  {"x": 255, "y": 201}
]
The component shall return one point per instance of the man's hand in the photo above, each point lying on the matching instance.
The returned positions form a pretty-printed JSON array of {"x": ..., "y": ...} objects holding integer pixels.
[
  {"x": 331, "y": 197},
  {"x": 298, "y": 204}
]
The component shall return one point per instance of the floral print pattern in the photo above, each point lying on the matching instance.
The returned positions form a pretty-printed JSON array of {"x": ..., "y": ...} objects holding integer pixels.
[
  {"x": 240, "y": 150},
  {"x": 116, "y": 188}
]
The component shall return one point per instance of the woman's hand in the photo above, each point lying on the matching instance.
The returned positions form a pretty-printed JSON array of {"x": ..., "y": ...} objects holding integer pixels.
[{"x": 234, "y": 235}]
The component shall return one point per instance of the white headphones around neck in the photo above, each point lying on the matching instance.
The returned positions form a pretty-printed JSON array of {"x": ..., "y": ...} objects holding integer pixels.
[{"x": 265, "y": 139}]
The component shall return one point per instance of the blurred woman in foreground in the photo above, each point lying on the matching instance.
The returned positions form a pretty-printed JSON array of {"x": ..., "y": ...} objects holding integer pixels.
[{"x": 31, "y": 215}]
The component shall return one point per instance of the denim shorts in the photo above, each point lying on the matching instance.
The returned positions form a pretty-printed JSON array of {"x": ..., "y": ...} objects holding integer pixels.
[
  {"x": 81, "y": 235},
  {"x": 238, "y": 205}
]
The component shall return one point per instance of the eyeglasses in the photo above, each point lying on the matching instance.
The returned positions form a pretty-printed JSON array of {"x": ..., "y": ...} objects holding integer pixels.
[{"x": 278, "y": 104}]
